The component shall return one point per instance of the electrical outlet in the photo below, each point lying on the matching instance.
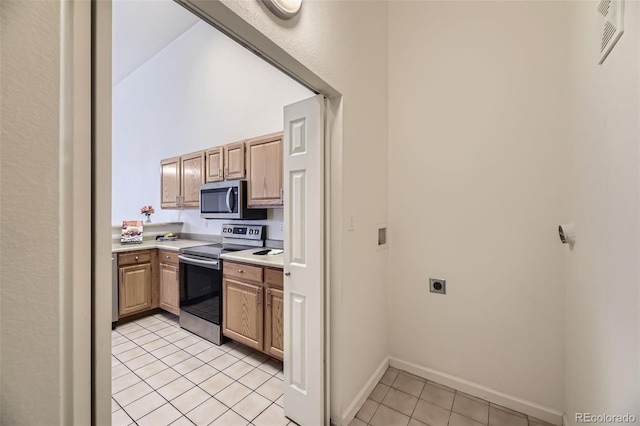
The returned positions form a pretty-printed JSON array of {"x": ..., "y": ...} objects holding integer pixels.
[{"x": 438, "y": 285}]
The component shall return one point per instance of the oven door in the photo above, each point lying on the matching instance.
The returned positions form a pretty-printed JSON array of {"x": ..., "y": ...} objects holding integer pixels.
[{"x": 201, "y": 288}]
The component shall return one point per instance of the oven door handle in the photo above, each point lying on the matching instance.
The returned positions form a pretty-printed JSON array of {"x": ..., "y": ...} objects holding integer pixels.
[{"x": 211, "y": 264}]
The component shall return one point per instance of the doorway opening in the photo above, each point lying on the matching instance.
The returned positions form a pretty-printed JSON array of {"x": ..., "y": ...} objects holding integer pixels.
[{"x": 158, "y": 138}]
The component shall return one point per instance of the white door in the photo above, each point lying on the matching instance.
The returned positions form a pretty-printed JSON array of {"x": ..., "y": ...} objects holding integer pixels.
[{"x": 304, "y": 262}]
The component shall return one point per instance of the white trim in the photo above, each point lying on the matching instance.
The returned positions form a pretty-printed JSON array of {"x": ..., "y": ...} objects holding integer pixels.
[
  {"x": 75, "y": 212},
  {"x": 102, "y": 84},
  {"x": 518, "y": 404},
  {"x": 364, "y": 393}
]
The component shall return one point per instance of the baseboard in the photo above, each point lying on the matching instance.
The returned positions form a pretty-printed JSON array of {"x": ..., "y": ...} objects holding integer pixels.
[
  {"x": 523, "y": 406},
  {"x": 362, "y": 396}
]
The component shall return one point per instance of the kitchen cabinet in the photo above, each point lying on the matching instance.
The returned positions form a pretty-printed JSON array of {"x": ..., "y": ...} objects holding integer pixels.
[
  {"x": 274, "y": 314},
  {"x": 264, "y": 172},
  {"x": 136, "y": 290},
  {"x": 170, "y": 183},
  {"x": 252, "y": 307},
  {"x": 226, "y": 162},
  {"x": 180, "y": 181},
  {"x": 215, "y": 164},
  {"x": 169, "y": 281},
  {"x": 234, "y": 161}
]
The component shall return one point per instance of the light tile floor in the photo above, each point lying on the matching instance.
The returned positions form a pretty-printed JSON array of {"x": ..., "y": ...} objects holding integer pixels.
[
  {"x": 402, "y": 399},
  {"x": 162, "y": 374}
]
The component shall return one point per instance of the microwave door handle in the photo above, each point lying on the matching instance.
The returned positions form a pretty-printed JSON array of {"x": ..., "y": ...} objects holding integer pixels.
[{"x": 229, "y": 192}]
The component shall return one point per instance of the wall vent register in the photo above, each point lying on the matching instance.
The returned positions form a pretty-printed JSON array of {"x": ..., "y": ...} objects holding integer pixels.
[{"x": 610, "y": 25}]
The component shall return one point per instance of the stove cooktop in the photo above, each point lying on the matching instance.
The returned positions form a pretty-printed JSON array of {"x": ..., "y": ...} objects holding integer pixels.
[{"x": 213, "y": 251}]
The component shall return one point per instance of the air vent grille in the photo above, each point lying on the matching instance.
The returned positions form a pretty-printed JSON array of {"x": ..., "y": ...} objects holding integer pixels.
[
  {"x": 604, "y": 7},
  {"x": 611, "y": 20}
]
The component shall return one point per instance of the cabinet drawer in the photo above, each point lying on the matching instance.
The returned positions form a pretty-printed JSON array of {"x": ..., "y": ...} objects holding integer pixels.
[
  {"x": 242, "y": 271},
  {"x": 134, "y": 257},
  {"x": 168, "y": 256},
  {"x": 274, "y": 277}
]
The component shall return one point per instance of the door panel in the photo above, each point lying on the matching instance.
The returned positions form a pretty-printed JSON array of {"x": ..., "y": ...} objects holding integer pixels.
[{"x": 304, "y": 372}]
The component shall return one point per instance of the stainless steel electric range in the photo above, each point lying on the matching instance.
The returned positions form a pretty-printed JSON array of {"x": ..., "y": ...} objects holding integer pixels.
[{"x": 201, "y": 279}]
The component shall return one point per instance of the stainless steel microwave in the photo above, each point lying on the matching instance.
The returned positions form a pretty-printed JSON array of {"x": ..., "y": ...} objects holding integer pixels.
[{"x": 227, "y": 200}]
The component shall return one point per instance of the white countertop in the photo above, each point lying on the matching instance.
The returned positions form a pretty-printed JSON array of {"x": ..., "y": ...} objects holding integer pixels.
[
  {"x": 151, "y": 244},
  {"x": 247, "y": 256}
]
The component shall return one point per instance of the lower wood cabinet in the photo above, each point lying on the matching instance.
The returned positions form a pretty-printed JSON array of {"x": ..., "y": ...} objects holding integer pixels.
[
  {"x": 136, "y": 292},
  {"x": 242, "y": 312},
  {"x": 169, "y": 281},
  {"x": 252, "y": 309}
]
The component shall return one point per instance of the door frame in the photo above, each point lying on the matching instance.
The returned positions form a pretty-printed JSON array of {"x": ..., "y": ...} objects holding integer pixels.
[{"x": 221, "y": 17}]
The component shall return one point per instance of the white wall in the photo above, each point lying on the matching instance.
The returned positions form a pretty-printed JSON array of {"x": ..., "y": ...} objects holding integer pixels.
[
  {"x": 345, "y": 43},
  {"x": 602, "y": 292},
  {"x": 477, "y": 107},
  {"x": 201, "y": 91},
  {"x": 30, "y": 354}
]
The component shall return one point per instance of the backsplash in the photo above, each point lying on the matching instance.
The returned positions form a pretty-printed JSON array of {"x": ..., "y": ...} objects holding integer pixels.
[
  {"x": 190, "y": 222},
  {"x": 211, "y": 233}
]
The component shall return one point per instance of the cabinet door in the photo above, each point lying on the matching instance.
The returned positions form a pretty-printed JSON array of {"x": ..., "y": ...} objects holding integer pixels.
[
  {"x": 215, "y": 161},
  {"x": 242, "y": 312},
  {"x": 135, "y": 289},
  {"x": 274, "y": 323},
  {"x": 234, "y": 161},
  {"x": 170, "y": 183},
  {"x": 264, "y": 156},
  {"x": 169, "y": 288},
  {"x": 192, "y": 178}
]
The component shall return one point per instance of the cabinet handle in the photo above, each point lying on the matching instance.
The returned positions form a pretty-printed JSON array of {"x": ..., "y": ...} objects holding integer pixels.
[
  {"x": 168, "y": 257},
  {"x": 257, "y": 297},
  {"x": 226, "y": 171},
  {"x": 268, "y": 298},
  {"x": 177, "y": 200},
  {"x": 282, "y": 195},
  {"x": 176, "y": 274},
  {"x": 240, "y": 271},
  {"x": 122, "y": 276},
  {"x": 136, "y": 257},
  {"x": 287, "y": 274}
]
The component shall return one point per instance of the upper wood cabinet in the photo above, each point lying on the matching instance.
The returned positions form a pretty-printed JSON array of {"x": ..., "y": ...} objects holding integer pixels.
[
  {"x": 192, "y": 178},
  {"x": 180, "y": 181},
  {"x": 234, "y": 161},
  {"x": 264, "y": 174},
  {"x": 226, "y": 162},
  {"x": 170, "y": 189},
  {"x": 215, "y": 164}
]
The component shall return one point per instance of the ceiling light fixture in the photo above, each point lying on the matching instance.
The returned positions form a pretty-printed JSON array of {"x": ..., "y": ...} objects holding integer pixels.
[{"x": 284, "y": 9}]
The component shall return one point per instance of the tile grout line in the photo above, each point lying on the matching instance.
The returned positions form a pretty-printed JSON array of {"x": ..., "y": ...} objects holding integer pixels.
[{"x": 194, "y": 355}]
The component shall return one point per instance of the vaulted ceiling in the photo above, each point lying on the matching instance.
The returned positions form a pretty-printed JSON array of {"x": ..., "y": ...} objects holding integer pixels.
[{"x": 142, "y": 28}]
